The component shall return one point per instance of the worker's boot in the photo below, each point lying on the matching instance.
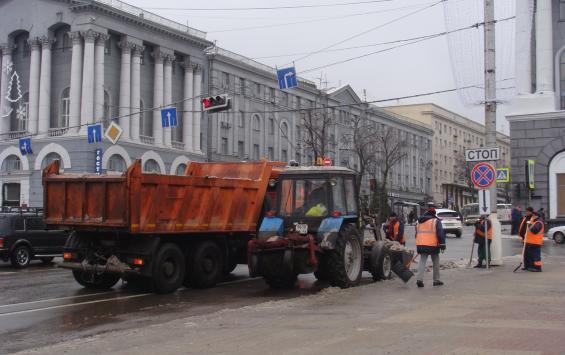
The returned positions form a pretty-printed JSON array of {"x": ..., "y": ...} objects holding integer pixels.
[
  {"x": 479, "y": 266},
  {"x": 438, "y": 283},
  {"x": 420, "y": 283}
]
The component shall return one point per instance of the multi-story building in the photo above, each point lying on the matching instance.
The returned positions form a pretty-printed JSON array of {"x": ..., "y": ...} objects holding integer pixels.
[
  {"x": 537, "y": 113},
  {"x": 453, "y": 134}
]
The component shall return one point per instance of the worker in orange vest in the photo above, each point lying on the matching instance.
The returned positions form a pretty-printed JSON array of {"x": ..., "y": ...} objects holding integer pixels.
[
  {"x": 480, "y": 239},
  {"x": 524, "y": 223},
  {"x": 395, "y": 229},
  {"x": 533, "y": 241},
  {"x": 430, "y": 239}
]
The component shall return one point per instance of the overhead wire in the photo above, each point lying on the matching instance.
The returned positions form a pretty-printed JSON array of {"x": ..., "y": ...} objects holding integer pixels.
[{"x": 286, "y": 7}]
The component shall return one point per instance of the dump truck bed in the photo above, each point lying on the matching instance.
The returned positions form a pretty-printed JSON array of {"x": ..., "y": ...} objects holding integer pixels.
[{"x": 210, "y": 197}]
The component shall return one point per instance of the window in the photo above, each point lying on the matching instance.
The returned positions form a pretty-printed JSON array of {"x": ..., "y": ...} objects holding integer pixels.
[
  {"x": 145, "y": 122},
  {"x": 116, "y": 163},
  {"x": 339, "y": 197},
  {"x": 562, "y": 9},
  {"x": 65, "y": 110},
  {"x": 350, "y": 196},
  {"x": 242, "y": 85},
  {"x": 240, "y": 149},
  {"x": 271, "y": 126},
  {"x": 271, "y": 153},
  {"x": 240, "y": 120},
  {"x": 49, "y": 158},
  {"x": 225, "y": 80},
  {"x": 180, "y": 170},
  {"x": 257, "y": 89},
  {"x": 256, "y": 123},
  {"x": 22, "y": 114},
  {"x": 284, "y": 98},
  {"x": 224, "y": 146},
  {"x": 255, "y": 151},
  {"x": 297, "y": 157},
  {"x": 284, "y": 155},
  {"x": 272, "y": 94},
  {"x": 11, "y": 164},
  {"x": 151, "y": 166}
]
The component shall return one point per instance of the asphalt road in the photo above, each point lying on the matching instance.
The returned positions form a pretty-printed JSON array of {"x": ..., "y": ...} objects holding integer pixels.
[{"x": 43, "y": 305}]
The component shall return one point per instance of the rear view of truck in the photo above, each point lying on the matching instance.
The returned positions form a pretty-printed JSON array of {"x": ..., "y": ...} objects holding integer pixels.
[{"x": 157, "y": 230}]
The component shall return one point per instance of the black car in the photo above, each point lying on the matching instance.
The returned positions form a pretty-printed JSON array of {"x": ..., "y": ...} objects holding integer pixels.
[{"x": 24, "y": 236}]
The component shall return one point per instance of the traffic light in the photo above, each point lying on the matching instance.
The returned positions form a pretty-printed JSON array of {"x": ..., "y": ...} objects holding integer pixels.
[{"x": 216, "y": 103}]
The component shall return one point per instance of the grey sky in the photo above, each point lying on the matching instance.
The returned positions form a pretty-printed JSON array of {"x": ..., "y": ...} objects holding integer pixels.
[{"x": 413, "y": 69}]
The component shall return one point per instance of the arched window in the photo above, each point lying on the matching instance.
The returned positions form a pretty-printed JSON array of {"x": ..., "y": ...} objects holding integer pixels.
[
  {"x": 11, "y": 164},
  {"x": 62, "y": 40},
  {"x": 256, "y": 123},
  {"x": 49, "y": 158},
  {"x": 284, "y": 129},
  {"x": 151, "y": 166},
  {"x": 65, "y": 111},
  {"x": 116, "y": 163},
  {"x": 23, "y": 48},
  {"x": 180, "y": 169}
]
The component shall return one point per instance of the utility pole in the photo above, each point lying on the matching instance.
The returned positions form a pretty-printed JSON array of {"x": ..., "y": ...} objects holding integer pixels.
[{"x": 490, "y": 119}]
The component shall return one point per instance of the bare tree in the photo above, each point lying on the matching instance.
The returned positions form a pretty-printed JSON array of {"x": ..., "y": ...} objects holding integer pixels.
[
  {"x": 390, "y": 149},
  {"x": 317, "y": 124}
]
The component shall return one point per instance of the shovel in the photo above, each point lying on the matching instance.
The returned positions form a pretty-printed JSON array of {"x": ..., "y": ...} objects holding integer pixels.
[{"x": 522, "y": 260}]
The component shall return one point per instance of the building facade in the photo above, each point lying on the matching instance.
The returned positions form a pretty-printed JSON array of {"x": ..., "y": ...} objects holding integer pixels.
[
  {"x": 537, "y": 114},
  {"x": 453, "y": 134}
]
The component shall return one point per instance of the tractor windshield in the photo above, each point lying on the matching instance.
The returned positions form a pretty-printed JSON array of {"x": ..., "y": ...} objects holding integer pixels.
[{"x": 304, "y": 198}]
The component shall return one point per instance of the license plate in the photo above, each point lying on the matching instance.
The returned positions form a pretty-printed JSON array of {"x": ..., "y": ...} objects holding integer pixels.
[{"x": 301, "y": 228}]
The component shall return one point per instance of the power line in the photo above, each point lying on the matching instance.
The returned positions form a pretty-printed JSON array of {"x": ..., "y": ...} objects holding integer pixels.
[{"x": 269, "y": 8}]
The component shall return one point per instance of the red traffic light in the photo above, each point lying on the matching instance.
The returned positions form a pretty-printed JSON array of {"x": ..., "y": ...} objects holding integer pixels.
[
  {"x": 216, "y": 103},
  {"x": 206, "y": 103}
]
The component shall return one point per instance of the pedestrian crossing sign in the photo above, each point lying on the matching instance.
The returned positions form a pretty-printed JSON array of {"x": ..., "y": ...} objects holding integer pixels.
[{"x": 503, "y": 175}]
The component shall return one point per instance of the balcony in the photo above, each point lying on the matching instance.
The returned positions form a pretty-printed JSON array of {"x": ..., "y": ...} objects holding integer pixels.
[
  {"x": 17, "y": 134},
  {"x": 178, "y": 145},
  {"x": 147, "y": 139},
  {"x": 57, "y": 132}
]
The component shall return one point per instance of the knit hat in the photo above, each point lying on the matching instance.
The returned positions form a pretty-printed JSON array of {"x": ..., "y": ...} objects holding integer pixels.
[
  {"x": 431, "y": 211},
  {"x": 530, "y": 209}
]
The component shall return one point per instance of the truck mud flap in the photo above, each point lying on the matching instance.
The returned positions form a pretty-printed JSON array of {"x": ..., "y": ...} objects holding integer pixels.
[{"x": 114, "y": 266}]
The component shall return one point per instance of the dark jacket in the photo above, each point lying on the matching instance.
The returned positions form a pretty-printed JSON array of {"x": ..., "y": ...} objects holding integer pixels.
[
  {"x": 480, "y": 225},
  {"x": 439, "y": 232},
  {"x": 523, "y": 226}
]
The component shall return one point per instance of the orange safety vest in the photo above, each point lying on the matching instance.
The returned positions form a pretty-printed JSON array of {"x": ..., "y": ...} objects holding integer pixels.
[
  {"x": 534, "y": 238},
  {"x": 426, "y": 234},
  {"x": 394, "y": 232},
  {"x": 481, "y": 231}
]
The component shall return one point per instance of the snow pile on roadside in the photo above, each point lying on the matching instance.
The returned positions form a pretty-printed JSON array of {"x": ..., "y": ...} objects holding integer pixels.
[{"x": 444, "y": 265}]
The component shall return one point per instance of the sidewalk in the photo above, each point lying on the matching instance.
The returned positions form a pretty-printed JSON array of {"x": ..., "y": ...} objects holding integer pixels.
[{"x": 476, "y": 312}]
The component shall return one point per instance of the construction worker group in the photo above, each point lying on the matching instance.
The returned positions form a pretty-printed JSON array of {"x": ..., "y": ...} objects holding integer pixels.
[{"x": 430, "y": 241}]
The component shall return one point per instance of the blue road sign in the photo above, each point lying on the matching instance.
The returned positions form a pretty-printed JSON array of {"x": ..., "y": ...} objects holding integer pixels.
[
  {"x": 25, "y": 146},
  {"x": 98, "y": 161},
  {"x": 483, "y": 175},
  {"x": 94, "y": 133},
  {"x": 287, "y": 78},
  {"x": 169, "y": 117}
]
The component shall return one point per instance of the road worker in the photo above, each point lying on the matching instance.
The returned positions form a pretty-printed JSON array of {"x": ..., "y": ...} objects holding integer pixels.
[
  {"x": 395, "y": 229},
  {"x": 315, "y": 201},
  {"x": 534, "y": 240},
  {"x": 480, "y": 239},
  {"x": 430, "y": 239},
  {"x": 524, "y": 222}
]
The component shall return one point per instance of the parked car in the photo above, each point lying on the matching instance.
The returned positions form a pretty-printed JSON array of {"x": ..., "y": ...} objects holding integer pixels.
[
  {"x": 24, "y": 236},
  {"x": 450, "y": 221},
  {"x": 557, "y": 234}
]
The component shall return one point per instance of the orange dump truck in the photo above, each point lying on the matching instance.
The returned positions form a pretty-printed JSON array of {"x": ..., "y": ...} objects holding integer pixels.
[{"x": 158, "y": 229}]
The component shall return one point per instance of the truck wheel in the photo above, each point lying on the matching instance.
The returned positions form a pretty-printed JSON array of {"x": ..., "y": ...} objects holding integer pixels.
[
  {"x": 281, "y": 282},
  {"x": 345, "y": 262},
  {"x": 168, "y": 268},
  {"x": 380, "y": 262},
  {"x": 98, "y": 281},
  {"x": 21, "y": 256},
  {"x": 559, "y": 238},
  {"x": 207, "y": 265}
]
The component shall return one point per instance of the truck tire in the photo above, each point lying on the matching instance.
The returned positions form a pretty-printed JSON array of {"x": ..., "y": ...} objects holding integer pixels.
[
  {"x": 168, "y": 268},
  {"x": 345, "y": 262},
  {"x": 21, "y": 256},
  {"x": 380, "y": 262},
  {"x": 206, "y": 265},
  {"x": 98, "y": 281},
  {"x": 283, "y": 282}
]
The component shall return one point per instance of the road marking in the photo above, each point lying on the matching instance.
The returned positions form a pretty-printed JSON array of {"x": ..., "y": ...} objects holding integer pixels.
[
  {"x": 72, "y": 305},
  {"x": 55, "y": 299}
]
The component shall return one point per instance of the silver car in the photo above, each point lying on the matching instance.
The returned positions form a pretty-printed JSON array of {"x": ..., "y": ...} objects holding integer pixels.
[
  {"x": 557, "y": 234},
  {"x": 450, "y": 221}
]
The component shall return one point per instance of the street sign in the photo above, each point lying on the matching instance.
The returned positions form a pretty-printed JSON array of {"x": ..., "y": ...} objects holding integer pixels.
[
  {"x": 169, "y": 117},
  {"x": 484, "y": 201},
  {"x": 94, "y": 133},
  {"x": 327, "y": 161},
  {"x": 113, "y": 133},
  {"x": 287, "y": 78},
  {"x": 530, "y": 174},
  {"x": 503, "y": 175},
  {"x": 483, "y": 175},
  {"x": 98, "y": 161},
  {"x": 25, "y": 146},
  {"x": 482, "y": 154}
]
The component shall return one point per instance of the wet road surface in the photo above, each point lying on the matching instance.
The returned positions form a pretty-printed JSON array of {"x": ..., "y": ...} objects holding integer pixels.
[{"x": 43, "y": 305}]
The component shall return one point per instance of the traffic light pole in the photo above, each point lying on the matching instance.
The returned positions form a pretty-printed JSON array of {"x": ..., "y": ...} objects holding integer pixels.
[{"x": 490, "y": 120}]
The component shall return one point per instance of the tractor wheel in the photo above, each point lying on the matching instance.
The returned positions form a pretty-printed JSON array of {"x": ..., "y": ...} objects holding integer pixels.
[
  {"x": 345, "y": 262},
  {"x": 380, "y": 262},
  {"x": 96, "y": 281},
  {"x": 168, "y": 268},
  {"x": 206, "y": 265}
]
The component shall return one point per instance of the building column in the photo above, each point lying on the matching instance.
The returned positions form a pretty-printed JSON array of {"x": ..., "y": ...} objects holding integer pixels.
[
  {"x": 34, "y": 73},
  {"x": 157, "y": 97},
  {"x": 188, "y": 106},
  {"x": 135, "y": 91},
  {"x": 523, "y": 47},
  {"x": 544, "y": 47},
  {"x": 197, "y": 108},
  {"x": 168, "y": 92},
  {"x": 45, "y": 87},
  {"x": 7, "y": 50},
  {"x": 76, "y": 83},
  {"x": 125, "y": 89},
  {"x": 87, "y": 94},
  {"x": 99, "y": 77}
]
